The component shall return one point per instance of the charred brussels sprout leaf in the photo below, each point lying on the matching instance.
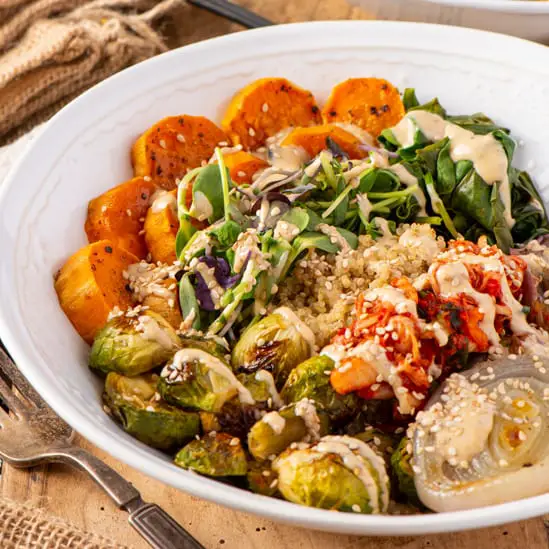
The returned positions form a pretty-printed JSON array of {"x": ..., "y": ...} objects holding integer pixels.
[
  {"x": 234, "y": 418},
  {"x": 132, "y": 346},
  {"x": 320, "y": 480},
  {"x": 403, "y": 473},
  {"x": 132, "y": 401},
  {"x": 311, "y": 379},
  {"x": 275, "y": 343},
  {"x": 275, "y": 431},
  {"x": 262, "y": 479},
  {"x": 201, "y": 381},
  {"x": 220, "y": 455}
]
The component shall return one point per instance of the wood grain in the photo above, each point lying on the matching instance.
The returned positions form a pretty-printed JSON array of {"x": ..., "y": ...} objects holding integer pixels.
[{"x": 69, "y": 494}]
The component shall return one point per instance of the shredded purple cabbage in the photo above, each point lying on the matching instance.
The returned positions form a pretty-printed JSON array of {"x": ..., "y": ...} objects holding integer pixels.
[
  {"x": 222, "y": 270},
  {"x": 222, "y": 273}
]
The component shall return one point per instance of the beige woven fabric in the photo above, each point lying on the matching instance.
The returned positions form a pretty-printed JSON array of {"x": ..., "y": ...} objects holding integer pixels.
[
  {"x": 23, "y": 527},
  {"x": 52, "y": 50}
]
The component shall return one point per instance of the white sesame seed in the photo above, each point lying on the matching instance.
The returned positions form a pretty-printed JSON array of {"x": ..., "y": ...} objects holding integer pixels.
[
  {"x": 265, "y": 107},
  {"x": 181, "y": 138},
  {"x": 356, "y": 508},
  {"x": 241, "y": 173},
  {"x": 162, "y": 143},
  {"x": 251, "y": 132}
]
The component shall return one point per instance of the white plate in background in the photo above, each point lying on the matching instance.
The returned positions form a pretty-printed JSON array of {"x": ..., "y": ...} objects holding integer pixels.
[{"x": 523, "y": 18}]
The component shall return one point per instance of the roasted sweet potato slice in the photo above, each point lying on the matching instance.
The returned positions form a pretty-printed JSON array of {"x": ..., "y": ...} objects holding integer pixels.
[
  {"x": 161, "y": 226},
  {"x": 242, "y": 165},
  {"x": 117, "y": 215},
  {"x": 166, "y": 307},
  {"x": 371, "y": 103},
  {"x": 265, "y": 107},
  {"x": 313, "y": 140},
  {"x": 173, "y": 145},
  {"x": 91, "y": 284}
]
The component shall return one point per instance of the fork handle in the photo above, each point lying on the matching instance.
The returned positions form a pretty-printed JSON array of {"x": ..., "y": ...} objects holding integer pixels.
[{"x": 152, "y": 522}]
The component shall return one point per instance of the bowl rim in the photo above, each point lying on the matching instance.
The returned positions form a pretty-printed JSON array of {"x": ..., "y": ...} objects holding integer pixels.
[
  {"x": 521, "y": 7},
  {"x": 129, "y": 452}
]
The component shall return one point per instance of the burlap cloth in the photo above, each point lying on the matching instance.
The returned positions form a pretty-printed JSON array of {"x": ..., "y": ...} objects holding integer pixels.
[
  {"x": 23, "y": 527},
  {"x": 52, "y": 50}
]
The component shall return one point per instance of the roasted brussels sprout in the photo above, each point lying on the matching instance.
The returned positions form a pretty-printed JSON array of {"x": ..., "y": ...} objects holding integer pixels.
[
  {"x": 234, "y": 418},
  {"x": 214, "y": 455},
  {"x": 276, "y": 343},
  {"x": 311, "y": 379},
  {"x": 132, "y": 345},
  {"x": 262, "y": 387},
  {"x": 403, "y": 473},
  {"x": 383, "y": 443},
  {"x": 338, "y": 473},
  {"x": 201, "y": 381},
  {"x": 275, "y": 431},
  {"x": 133, "y": 401},
  {"x": 262, "y": 479}
]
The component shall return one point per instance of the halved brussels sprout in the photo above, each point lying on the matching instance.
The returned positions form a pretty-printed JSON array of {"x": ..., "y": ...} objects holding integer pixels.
[
  {"x": 132, "y": 345},
  {"x": 201, "y": 381},
  {"x": 338, "y": 473},
  {"x": 276, "y": 343},
  {"x": 311, "y": 379},
  {"x": 133, "y": 401},
  {"x": 262, "y": 387},
  {"x": 275, "y": 431},
  {"x": 214, "y": 455},
  {"x": 403, "y": 473},
  {"x": 262, "y": 479}
]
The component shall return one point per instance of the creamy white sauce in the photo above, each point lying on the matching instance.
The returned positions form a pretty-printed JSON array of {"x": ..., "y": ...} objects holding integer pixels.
[
  {"x": 294, "y": 321},
  {"x": 453, "y": 279},
  {"x": 152, "y": 331},
  {"x": 484, "y": 151},
  {"x": 406, "y": 178},
  {"x": 387, "y": 237},
  {"x": 267, "y": 378},
  {"x": 395, "y": 297},
  {"x": 215, "y": 365},
  {"x": 306, "y": 410},
  {"x": 275, "y": 421},
  {"x": 208, "y": 274},
  {"x": 201, "y": 208},
  {"x": 364, "y": 205},
  {"x": 162, "y": 200},
  {"x": 312, "y": 168},
  {"x": 362, "y": 135}
]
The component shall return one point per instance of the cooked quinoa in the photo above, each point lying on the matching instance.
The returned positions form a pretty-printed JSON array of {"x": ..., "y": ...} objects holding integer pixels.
[{"x": 323, "y": 288}]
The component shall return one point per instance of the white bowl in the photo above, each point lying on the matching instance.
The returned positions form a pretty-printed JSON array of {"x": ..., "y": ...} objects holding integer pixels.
[
  {"x": 523, "y": 18},
  {"x": 84, "y": 150}
]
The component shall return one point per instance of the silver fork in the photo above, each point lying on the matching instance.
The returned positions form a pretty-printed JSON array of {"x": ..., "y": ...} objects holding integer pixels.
[{"x": 32, "y": 434}]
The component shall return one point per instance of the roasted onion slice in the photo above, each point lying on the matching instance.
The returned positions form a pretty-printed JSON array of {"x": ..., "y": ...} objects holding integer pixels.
[{"x": 483, "y": 438}]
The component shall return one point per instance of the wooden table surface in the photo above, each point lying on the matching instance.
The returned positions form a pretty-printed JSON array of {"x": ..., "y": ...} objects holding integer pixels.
[{"x": 69, "y": 494}]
